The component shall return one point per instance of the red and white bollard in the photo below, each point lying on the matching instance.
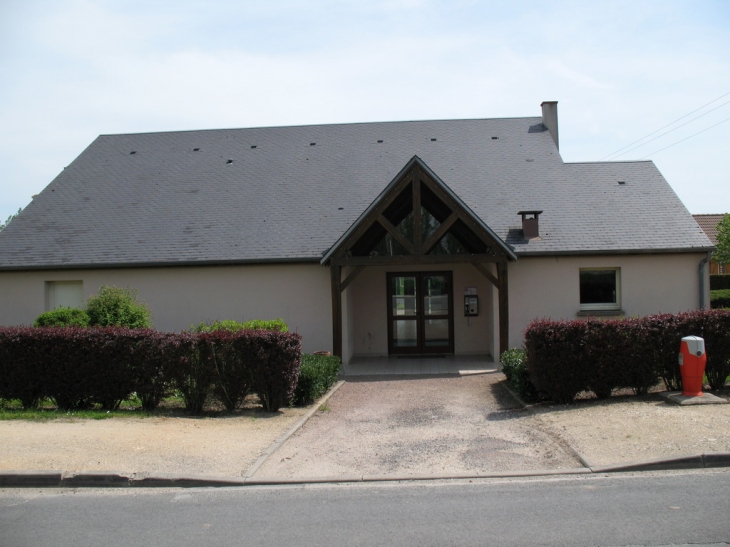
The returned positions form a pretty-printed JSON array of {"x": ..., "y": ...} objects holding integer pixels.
[{"x": 692, "y": 360}]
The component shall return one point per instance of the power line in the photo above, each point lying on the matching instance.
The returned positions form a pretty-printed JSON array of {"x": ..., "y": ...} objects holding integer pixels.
[
  {"x": 672, "y": 123},
  {"x": 673, "y": 129},
  {"x": 684, "y": 139}
]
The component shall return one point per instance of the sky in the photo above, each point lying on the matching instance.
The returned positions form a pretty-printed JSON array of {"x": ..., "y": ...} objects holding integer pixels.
[{"x": 71, "y": 70}]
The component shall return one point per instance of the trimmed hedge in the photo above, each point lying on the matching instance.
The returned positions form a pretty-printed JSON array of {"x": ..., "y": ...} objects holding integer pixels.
[
  {"x": 565, "y": 358},
  {"x": 720, "y": 299},
  {"x": 317, "y": 374},
  {"x": 80, "y": 367},
  {"x": 719, "y": 282},
  {"x": 234, "y": 326}
]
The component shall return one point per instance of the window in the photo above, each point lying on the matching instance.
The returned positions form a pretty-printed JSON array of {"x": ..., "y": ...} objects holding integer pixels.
[
  {"x": 600, "y": 289},
  {"x": 64, "y": 294}
]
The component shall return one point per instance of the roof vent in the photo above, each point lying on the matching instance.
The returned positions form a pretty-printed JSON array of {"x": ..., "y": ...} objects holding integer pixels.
[
  {"x": 380, "y": 140},
  {"x": 229, "y": 162},
  {"x": 312, "y": 144},
  {"x": 196, "y": 149},
  {"x": 253, "y": 146},
  {"x": 622, "y": 182},
  {"x": 433, "y": 140},
  {"x": 133, "y": 152},
  {"x": 530, "y": 227},
  {"x": 494, "y": 138}
]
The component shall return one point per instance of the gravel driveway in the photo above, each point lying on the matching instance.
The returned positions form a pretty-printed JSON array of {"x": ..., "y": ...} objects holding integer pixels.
[{"x": 416, "y": 426}]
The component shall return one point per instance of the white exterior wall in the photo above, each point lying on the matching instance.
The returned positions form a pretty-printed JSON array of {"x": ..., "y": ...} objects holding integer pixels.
[
  {"x": 367, "y": 297},
  {"x": 301, "y": 295},
  {"x": 182, "y": 296},
  {"x": 548, "y": 287}
]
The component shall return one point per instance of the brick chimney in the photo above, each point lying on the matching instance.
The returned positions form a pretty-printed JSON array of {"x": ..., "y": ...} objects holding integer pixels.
[{"x": 550, "y": 119}]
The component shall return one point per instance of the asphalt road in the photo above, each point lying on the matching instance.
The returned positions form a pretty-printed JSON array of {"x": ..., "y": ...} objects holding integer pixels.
[{"x": 676, "y": 508}]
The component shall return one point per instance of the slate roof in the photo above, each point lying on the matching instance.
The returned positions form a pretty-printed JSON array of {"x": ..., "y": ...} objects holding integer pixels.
[
  {"x": 288, "y": 194},
  {"x": 709, "y": 223}
]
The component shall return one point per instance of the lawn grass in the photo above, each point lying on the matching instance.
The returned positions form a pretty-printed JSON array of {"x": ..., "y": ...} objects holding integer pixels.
[
  {"x": 173, "y": 406},
  {"x": 13, "y": 410}
]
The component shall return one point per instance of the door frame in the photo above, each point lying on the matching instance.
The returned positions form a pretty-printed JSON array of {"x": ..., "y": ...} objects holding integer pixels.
[{"x": 420, "y": 317}]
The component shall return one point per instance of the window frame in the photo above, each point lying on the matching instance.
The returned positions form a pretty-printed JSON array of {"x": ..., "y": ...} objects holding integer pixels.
[
  {"x": 51, "y": 297},
  {"x": 602, "y": 306}
]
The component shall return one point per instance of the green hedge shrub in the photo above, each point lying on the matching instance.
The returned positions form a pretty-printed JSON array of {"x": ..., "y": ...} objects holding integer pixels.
[
  {"x": 118, "y": 307},
  {"x": 317, "y": 375},
  {"x": 230, "y": 325},
  {"x": 277, "y": 325},
  {"x": 514, "y": 368},
  {"x": 63, "y": 317},
  {"x": 719, "y": 282},
  {"x": 720, "y": 298}
]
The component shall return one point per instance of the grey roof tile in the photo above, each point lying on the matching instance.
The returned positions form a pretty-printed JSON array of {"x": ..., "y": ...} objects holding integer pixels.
[{"x": 288, "y": 200}]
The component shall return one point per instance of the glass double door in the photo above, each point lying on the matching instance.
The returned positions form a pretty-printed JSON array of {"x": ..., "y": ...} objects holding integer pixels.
[{"x": 420, "y": 313}]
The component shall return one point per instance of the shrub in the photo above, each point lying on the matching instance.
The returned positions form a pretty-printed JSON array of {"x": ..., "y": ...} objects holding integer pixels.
[
  {"x": 515, "y": 369},
  {"x": 234, "y": 326},
  {"x": 21, "y": 376},
  {"x": 567, "y": 357},
  {"x": 720, "y": 298},
  {"x": 232, "y": 355},
  {"x": 193, "y": 372},
  {"x": 719, "y": 282},
  {"x": 153, "y": 360},
  {"x": 555, "y": 358},
  {"x": 79, "y": 367},
  {"x": 716, "y": 333},
  {"x": 275, "y": 366},
  {"x": 226, "y": 325},
  {"x": 277, "y": 325},
  {"x": 317, "y": 374},
  {"x": 118, "y": 307},
  {"x": 63, "y": 317}
]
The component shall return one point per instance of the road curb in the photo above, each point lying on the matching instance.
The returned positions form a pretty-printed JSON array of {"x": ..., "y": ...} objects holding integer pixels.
[
  {"x": 659, "y": 464},
  {"x": 285, "y": 437},
  {"x": 24, "y": 479},
  {"x": 102, "y": 479},
  {"x": 106, "y": 479},
  {"x": 153, "y": 480}
]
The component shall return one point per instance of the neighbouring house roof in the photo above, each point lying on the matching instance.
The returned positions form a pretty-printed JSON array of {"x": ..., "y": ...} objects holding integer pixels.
[
  {"x": 289, "y": 193},
  {"x": 709, "y": 223}
]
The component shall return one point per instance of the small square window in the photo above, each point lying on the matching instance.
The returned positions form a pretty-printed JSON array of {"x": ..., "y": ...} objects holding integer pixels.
[
  {"x": 600, "y": 289},
  {"x": 64, "y": 294}
]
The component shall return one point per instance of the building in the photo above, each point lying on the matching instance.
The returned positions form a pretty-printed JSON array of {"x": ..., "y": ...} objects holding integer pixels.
[
  {"x": 421, "y": 237},
  {"x": 709, "y": 223}
]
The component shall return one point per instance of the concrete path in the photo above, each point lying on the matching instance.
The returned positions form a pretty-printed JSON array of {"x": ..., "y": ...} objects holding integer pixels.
[{"x": 410, "y": 426}]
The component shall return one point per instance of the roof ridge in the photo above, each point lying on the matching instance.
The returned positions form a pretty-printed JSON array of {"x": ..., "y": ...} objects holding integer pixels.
[
  {"x": 320, "y": 125},
  {"x": 607, "y": 162}
]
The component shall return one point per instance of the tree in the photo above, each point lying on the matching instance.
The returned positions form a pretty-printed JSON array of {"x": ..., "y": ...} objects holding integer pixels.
[
  {"x": 11, "y": 217},
  {"x": 722, "y": 254}
]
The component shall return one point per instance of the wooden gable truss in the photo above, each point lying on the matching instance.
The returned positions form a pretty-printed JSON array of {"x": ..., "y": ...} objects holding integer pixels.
[{"x": 423, "y": 222}]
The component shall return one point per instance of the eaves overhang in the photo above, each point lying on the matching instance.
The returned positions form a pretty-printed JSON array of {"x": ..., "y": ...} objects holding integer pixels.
[
  {"x": 166, "y": 264},
  {"x": 598, "y": 252}
]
